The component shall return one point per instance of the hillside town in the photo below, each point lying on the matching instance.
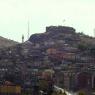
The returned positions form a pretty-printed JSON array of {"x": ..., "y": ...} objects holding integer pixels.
[{"x": 70, "y": 54}]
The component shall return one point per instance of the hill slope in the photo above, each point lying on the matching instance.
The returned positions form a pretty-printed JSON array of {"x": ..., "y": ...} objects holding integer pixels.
[
  {"x": 6, "y": 42},
  {"x": 59, "y": 48}
]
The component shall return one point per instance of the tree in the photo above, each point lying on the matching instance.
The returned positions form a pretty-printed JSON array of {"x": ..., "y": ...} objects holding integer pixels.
[{"x": 82, "y": 47}]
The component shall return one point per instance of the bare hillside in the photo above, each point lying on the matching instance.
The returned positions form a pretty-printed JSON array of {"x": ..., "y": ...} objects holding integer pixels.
[{"x": 6, "y": 42}]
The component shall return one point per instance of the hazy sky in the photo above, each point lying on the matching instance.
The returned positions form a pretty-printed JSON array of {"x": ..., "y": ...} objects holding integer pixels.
[{"x": 14, "y": 15}]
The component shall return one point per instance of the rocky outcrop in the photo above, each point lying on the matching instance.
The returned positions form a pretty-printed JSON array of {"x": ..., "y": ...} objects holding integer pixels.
[
  {"x": 60, "y": 29},
  {"x": 56, "y": 34}
]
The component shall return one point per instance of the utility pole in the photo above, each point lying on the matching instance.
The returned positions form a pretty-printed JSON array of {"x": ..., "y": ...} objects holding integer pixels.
[{"x": 22, "y": 38}]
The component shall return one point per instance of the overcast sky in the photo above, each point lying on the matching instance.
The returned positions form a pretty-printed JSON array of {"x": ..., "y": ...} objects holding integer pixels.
[{"x": 14, "y": 16}]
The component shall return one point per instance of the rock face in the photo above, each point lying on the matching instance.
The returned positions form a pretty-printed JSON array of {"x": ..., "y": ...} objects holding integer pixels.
[
  {"x": 57, "y": 48},
  {"x": 56, "y": 34},
  {"x": 51, "y": 33}
]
